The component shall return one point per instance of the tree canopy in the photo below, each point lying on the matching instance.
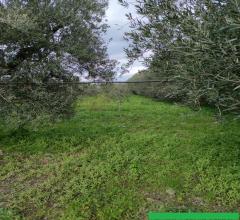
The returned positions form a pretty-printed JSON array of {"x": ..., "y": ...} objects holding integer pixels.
[
  {"x": 49, "y": 41},
  {"x": 195, "y": 43}
]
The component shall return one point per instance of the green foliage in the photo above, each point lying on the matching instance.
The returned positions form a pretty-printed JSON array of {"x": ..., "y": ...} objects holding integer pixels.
[
  {"x": 49, "y": 42},
  {"x": 98, "y": 165},
  {"x": 8, "y": 215},
  {"x": 165, "y": 90},
  {"x": 194, "y": 45}
]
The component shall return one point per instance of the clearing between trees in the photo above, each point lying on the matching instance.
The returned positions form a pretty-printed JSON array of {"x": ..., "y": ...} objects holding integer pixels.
[{"x": 109, "y": 164}]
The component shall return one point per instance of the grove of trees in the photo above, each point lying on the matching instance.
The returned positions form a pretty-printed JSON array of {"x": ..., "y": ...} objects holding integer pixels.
[
  {"x": 193, "y": 46},
  {"x": 46, "y": 46}
]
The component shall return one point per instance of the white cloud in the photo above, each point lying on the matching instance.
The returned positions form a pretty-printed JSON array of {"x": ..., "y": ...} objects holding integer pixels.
[{"x": 118, "y": 25}]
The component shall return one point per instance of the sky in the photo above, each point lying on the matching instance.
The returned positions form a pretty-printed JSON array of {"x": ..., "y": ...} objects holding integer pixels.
[{"x": 118, "y": 25}]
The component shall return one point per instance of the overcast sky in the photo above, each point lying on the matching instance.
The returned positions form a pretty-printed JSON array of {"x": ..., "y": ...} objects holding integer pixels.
[{"x": 118, "y": 25}]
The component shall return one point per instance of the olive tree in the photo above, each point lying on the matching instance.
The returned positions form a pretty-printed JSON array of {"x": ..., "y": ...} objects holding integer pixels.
[
  {"x": 43, "y": 45},
  {"x": 195, "y": 44}
]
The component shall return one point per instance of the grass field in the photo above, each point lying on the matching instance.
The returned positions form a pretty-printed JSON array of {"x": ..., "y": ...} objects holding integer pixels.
[{"x": 110, "y": 164}]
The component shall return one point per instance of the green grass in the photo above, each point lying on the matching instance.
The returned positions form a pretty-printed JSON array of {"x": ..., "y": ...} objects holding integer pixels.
[{"x": 110, "y": 164}]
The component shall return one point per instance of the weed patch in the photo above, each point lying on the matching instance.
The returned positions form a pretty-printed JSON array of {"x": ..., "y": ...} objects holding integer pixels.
[{"x": 105, "y": 165}]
